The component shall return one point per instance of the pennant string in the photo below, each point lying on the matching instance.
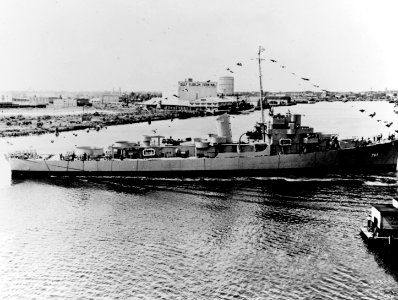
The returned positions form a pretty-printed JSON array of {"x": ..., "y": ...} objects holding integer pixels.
[
  {"x": 295, "y": 74},
  {"x": 239, "y": 64}
]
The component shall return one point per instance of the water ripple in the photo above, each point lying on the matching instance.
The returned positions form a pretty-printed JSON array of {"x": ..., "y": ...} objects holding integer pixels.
[{"x": 196, "y": 239}]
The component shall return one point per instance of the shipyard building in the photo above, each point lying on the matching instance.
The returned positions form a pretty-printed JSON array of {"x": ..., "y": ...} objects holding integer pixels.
[
  {"x": 63, "y": 103},
  {"x": 192, "y": 90},
  {"x": 198, "y": 96}
]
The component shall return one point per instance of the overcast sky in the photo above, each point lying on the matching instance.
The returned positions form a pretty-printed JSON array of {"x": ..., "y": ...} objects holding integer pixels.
[{"x": 79, "y": 45}]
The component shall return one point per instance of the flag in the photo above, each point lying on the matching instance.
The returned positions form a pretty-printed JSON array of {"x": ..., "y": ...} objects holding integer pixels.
[
  {"x": 304, "y": 78},
  {"x": 273, "y": 60}
]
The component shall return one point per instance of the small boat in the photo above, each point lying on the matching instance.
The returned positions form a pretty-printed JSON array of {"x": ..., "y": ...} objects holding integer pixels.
[
  {"x": 312, "y": 101},
  {"x": 382, "y": 225},
  {"x": 300, "y": 100},
  {"x": 247, "y": 111},
  {"x": 396, "y": 107}
]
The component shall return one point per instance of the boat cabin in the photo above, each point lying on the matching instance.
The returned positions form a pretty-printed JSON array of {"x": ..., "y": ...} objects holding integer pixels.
[
  {"x": 382, "y": 224},
  {"x": 384, "y": 219}
]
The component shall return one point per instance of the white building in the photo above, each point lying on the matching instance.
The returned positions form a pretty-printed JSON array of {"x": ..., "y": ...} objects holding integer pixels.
[
  {"x": 22, "y": 101},
  {"x": 63, "y": 103},
  {"x": 110, "y": 98},
  {"x": 5, "y": 97},
  {"x": 96, "y": 102},
  {"x": 39, "y": 100},
  {"x": 212, "y": 104},
  {"x": 106, "y": 100},
  {"x": 192, "y": 90}
]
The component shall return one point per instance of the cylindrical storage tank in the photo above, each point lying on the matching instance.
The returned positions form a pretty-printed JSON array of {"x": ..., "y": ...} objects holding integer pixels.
[
  {"x": 226, "y": 85},
  {"x": 92, "y": 151},
  {"x": 224, "y": 127}
]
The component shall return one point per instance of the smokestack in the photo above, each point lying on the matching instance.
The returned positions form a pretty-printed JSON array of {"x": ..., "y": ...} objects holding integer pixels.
[{"x": 224, "y": 127}]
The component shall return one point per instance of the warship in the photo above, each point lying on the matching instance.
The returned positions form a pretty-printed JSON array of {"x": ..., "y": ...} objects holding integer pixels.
[{"x": 280, "y": 146}]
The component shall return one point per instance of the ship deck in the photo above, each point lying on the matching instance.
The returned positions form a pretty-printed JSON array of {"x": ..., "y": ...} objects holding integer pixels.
[{"x": 378, "y": 240}]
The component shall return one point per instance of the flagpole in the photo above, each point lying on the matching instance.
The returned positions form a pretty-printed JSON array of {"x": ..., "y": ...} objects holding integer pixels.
[{"x": 261, "y": 93}]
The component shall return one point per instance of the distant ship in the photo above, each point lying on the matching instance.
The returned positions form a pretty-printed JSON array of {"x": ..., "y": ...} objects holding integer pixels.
[{"x": 281, "y": 145}]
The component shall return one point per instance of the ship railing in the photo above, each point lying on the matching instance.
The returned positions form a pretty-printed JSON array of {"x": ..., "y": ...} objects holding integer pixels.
[
  {"x": 23, "y": 154},
  {"x": 72, "y": 157},
  {"x": 372, "y": 140}
]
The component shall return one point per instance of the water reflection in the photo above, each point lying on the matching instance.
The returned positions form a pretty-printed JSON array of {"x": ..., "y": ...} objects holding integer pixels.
[
  {"x": 386, "y": 258},
  {"x": 241, "y": 238}
]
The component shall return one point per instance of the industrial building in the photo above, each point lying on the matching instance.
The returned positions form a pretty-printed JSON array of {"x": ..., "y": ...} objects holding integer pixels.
[
  {"x": 5, "y": 97},
  {"x": 213, "y": 104},
  {"x": 198, "y": 96},
  {"x": 36, "y": 100},
  {"x": 110, "y": 98},
  {"x": 166, "y": 104},
  {"x": 30, "y": 101},
  {"x": 82, "y": 101},
  {"x": 63, "y": 103},
  {"x": 192, "y": 90}
]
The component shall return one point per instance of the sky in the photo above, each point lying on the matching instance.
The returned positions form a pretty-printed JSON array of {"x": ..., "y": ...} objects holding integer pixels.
[{"x": 134, "y": 45}]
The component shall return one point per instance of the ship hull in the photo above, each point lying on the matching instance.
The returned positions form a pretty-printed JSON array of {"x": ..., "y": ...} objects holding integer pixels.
[{"x": 377, "y": 157}]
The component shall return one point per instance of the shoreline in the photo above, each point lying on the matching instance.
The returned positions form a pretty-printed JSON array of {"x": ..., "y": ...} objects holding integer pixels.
[{"x": 26, "y": 125}]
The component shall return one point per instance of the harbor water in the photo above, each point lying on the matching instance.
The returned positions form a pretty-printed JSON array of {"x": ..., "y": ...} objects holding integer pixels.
[{"x": 203, "y": 238}]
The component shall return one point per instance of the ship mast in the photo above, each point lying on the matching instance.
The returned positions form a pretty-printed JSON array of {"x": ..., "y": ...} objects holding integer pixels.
[{"x": 261, "y": 49}]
